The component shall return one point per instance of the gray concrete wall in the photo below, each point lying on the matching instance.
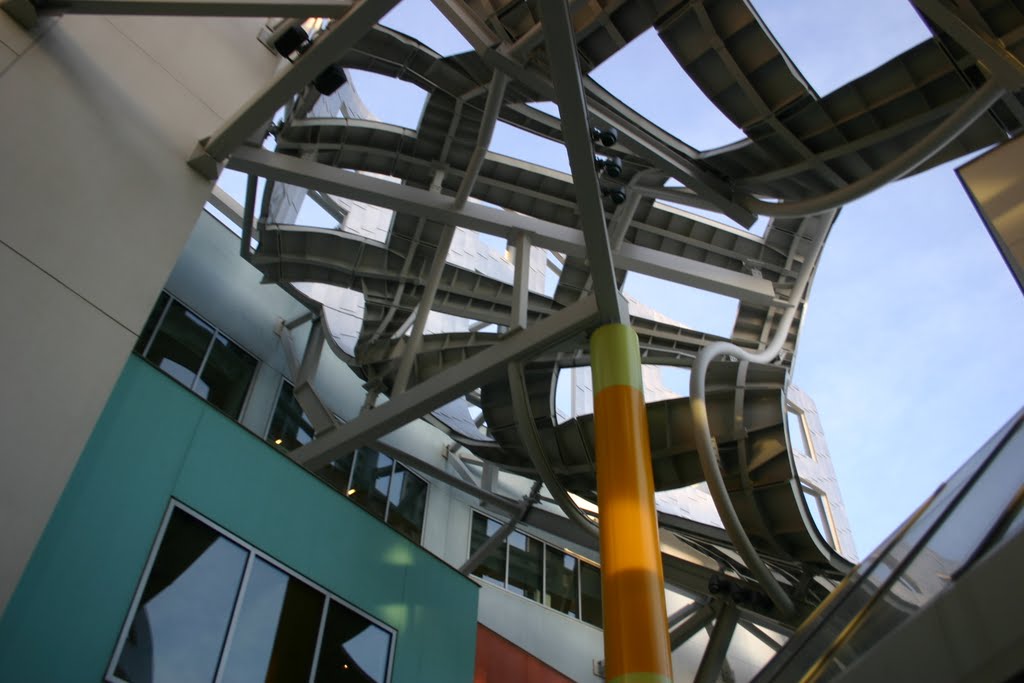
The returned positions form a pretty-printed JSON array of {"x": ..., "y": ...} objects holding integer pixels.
[{"x": 99, "y": 117}]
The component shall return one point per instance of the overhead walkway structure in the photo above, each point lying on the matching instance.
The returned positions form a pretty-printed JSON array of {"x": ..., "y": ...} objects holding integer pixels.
[{"x": 803, "y": 156}]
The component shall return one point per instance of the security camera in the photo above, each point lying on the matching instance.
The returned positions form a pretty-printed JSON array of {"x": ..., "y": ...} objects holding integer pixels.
[{"x": 607, "y": 136}]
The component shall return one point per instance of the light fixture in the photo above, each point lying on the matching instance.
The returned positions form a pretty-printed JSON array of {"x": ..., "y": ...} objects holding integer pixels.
[
  {"x": 330, "y": 79},
  {"x": 290, "y": 40},
  {"x": 350, "y": 492},
  {"x": 278, "y": 442}
]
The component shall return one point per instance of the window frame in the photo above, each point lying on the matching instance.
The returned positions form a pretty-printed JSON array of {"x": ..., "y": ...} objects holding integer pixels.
[
  {"x": 254, "y": 553},
  {"x": 805, "y": 431},
  {"x": 580, "y": 559},
  {"x": 206, "y": 355},
  {"x": 387, "y": 497},
  {"x": 830, "y": 532}
]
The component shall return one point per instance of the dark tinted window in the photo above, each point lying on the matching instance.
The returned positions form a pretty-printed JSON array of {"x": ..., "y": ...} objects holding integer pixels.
[
  {"x": 191, "y": 351},
  {"x": 289, "y": 427},
  {"x": 493, "y": 567},
  {"x": 185, "y": 607},
  {"x": 562, "y": 588},
  {"x": 353, "y": 648},
  {"x": 525, "y": 562},
  {"x": 371, "y": 479},
  {"x": 406, "y": 503},
  {"x": 180, "y": 344},
  {"x": 590, "y": 591},
  {"x": 226, "y": 376},
  {"x": 276, "y": 631},
  {"x": 213, "y": 609}
]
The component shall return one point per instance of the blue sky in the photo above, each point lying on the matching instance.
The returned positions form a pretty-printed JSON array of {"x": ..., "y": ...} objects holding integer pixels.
[{"x": 911, "y": 344}]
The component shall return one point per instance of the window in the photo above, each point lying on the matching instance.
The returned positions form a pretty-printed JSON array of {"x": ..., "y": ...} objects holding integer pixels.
[
  {"x": 289, "y": 427},
  {"x": 196, "y": 354},
  {"x": 539, "y": 572},
  {"x": 817, "y": 504},
  {"x": 212, "y": 608},
  {"x": 384, "y": 488},
  {"x": 799, "y": 436}
]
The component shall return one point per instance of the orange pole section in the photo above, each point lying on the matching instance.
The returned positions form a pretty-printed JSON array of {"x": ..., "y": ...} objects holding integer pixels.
[{"x": 636, "y": 638}]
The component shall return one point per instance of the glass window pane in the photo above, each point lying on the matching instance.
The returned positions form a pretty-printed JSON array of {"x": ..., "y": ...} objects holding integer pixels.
[
  {"x": 180, "y": 344},
  {"x": 797, "y": 433},
  {"x": 226, "y": 376},
  {"x": 492, "y": 569},
  {"x": 353, "y": 648},
  {"x": 154, "y": 318},
  {"x": 276, "y": 631},
  {"x": 561, "y": 593},
  {"x": 178, "y": 629},
  {"x": 406, "y": 503},
  {"x": 338, "y": 473},
  {"x": 525, "y": 560},
  {"x": 590, "y": 587},
  {"x": 289, "y": 427},
  {"x": 371, "y": 479}
]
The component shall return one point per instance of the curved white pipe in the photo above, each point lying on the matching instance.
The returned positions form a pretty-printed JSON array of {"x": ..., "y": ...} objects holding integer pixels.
[
  {"x": 702, "y": 430},
  {"x": 925, "y": 148}
]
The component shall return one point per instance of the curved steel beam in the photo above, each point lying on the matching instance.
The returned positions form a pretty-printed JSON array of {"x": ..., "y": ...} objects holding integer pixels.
[
  {"x": 925, "y": 148},
  {"x": 527, "y": 429}
]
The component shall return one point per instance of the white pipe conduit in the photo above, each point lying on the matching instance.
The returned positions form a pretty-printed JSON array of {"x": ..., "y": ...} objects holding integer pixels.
[{"x": 702, "y": 431}]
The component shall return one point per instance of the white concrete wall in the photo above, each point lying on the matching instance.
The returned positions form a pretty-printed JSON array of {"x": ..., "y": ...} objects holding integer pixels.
[{"x": 96, "y": 200}]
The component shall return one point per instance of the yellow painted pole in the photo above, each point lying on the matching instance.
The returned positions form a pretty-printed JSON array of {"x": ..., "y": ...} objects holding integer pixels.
[{"x": 636, "y": 642}]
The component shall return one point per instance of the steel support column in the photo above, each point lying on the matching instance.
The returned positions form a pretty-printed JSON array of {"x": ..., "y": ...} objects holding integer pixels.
[
  {"x": 636, "y": 640},
  {"x": 714, "y": 655},
  {"x": 560, "y": 40}
]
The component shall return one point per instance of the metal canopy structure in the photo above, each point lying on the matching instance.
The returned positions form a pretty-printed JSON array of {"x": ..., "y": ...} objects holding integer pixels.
[{"x": 803, "y": 156}]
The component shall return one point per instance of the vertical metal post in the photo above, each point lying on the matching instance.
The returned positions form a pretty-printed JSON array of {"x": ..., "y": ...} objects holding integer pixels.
[
  {"x": 521, "y": 282},
  {"x": 636, "y": 639}
]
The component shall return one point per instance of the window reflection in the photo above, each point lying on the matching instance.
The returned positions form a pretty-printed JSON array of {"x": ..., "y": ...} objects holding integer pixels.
[
  {"x": 289, "y": 427},
  {"x": 180, "y": 344},
  {"x": 371, "y": 478},
  {"x": 492, "y": 569},
  {"x": 185, "y": 608},
  {"x": 276, "y": 632},
  {"x": 562, "y": 591},
  {"x": 353, "y": 648},
  {"x": 525, "y": 561},
  {"x": 407, "y": 503},
  {"x": 535, "y": 570},
  {"x": 202, "y": 585},
  {"x": 384, "y": 488},
  {"x": 193, "y": 352}
]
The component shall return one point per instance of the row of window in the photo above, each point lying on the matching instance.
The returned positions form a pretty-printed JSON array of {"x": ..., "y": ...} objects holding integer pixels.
[
  {"x": 211, "y": 608},
  {"x": 203, "y": 359},
  {"x": 539, "y": 572}
]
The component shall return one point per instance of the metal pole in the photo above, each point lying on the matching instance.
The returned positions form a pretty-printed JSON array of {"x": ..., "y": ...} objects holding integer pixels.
[
  {"x": 470, "y": 565},
  {"x": 636, "y": 639},
  {"x": 701, "y": 617},
  {"x": 714, "y": 656}
]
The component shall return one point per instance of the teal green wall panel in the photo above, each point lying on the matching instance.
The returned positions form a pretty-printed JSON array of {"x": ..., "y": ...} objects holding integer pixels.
[
  {"x": 155, "y": 441},
  {"x": 64, "y": 618}
]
